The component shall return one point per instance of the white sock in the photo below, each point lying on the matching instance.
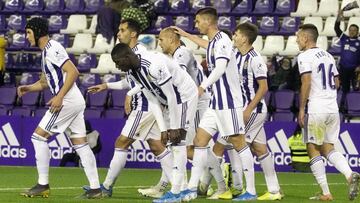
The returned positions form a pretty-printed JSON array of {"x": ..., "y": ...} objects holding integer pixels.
[
  {"x": 215, "y": 169},
  {"x": 179, "y": 168},
  {"x": 236, "y": 169},
  {"x": 247, "y": 160},
  {"x": 318, "y": 169},
  {"x": 206, "y": 177},
  {"x": 267, "y": 164},
  {"x": 166, "y": 161},
  {"x": 184, "y": 183},
  {"x": 42, "y": 156},
  {"x": 117, "y": 163},
  {"x": 340, "y": 163},
  {"x": 199, "y": 164}
]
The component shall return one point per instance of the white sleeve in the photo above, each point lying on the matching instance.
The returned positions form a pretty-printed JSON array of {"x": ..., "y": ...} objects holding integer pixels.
[
  {"x": 119, "y": 85},
  {"x": 134, "y": 90},
  {"x": 223, "y": 48},
  {"x": 57, "y": 55},
  {"x": 155, "y": 108},
  {"x": 304, "y": 66},
  {"x": 220, "y": 67},
  {"x": 169, "y": 92},
  {"x": 259, "y": 68}
]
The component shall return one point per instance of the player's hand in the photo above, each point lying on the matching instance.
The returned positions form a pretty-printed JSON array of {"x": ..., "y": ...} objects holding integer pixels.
[
  {"x": 55, "y": 103},
  {"x": 246, "y": 115},
  {"x": 23, "y": 89},
  {"x": 164, "y": 137},
  {"x": 301, "y": 118},
  {"x": 97, "y": 88},
  {"x": 127, "y": 104},
  {"x": 180, "y": 31},
  {"x": 200, "y": 91}
]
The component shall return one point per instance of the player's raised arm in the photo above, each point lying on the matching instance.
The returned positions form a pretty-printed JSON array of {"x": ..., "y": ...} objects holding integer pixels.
[{"x": 196, "y": 39}]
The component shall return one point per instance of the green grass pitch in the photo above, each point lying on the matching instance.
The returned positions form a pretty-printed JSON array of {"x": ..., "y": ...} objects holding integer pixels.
[{"x": 65, "y": 184}]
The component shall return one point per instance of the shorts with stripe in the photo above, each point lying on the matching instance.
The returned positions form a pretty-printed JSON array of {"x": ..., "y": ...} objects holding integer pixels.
[
  {"x": 202, "y": 105},
  {"x": 141, "y": 125},
  {"x": 227, "y": 122},
  {"x": 321, "y": 128},
  {"x": 254, "y": 129},
  {"x": 69, "y": 117}
]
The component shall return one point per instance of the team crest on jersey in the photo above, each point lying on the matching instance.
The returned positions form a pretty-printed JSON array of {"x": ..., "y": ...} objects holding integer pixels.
[{"x": 246, "y": 63}]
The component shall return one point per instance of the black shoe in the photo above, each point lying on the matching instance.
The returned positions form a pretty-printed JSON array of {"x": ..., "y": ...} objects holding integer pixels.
[
  {"x": 354, "y": 186},
  {"x": 92, "y": 194},
  {"x": 37, "y": 191}
]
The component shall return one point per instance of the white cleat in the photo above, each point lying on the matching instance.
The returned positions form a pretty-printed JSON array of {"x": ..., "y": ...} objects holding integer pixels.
[{"x": 153, "y": 192}]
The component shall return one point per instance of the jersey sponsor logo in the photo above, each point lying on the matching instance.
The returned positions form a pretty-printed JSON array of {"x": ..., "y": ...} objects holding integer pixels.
[
  {"x": 9, "y": 144},
  {"x": 60, "y": 146},
  {"x": 140, "y": 152}
]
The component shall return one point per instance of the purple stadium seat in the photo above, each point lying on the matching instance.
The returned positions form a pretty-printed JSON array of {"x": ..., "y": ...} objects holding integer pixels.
[
  {"x": 269, "y": 25},
  {"x": 283, "y": 100},
  {"x": 284, "y": 7},
  {"x": 53, "y": 6},
  {"x": 18, "y": 42},
  {"x": 161, "y": 6},
  {"x": 3, "y": 112},
  {"x": 29, "y": 78},
  {"x": 56, "y": 23},
  {"x": 223, "y": 6},
  {"x": 338, "y": 97},
  {"x": 185, "y": 22},
  {"x": 179, "y": 6},
  {"x": 267, "y": 98},
  {"x": 90, "y": 79},
  {"x": 24, "y": 112},
  {"x": 111, "y": 78},
  {"x": 30, "y": 99},
  {"x": 198, "y": 4},
  {"x": 40, "y": 112},
  {"x": 243, "y": 7},
  {"x": 263, "y": 7},
  {"x": 16, "y": 22},
  {"x": 289, "y": 26},
  {"x": 47, "y": 95},
  {"x": 9, "y": 79},
  {"x": 2, "y": 24},
  {"x": 10, "y": 97},
  {"x": 92, "y": 6},
  {"x": 98, "y": 99},
  {"x": 9, "y": 61},
  {"x": 73, "y": 7},
  {"x": 283, "y": 116},
  {"x": 86, "y": 62},
  {"x": 12, "y": 6},
  {"x": 24, "y": 61},
  {"x": 250, "y": 19},
  {"x": 33, "y": 6},
  {"x": 353, "y": 104},
  {"x": 73, "y": 59},
  {"x": 92, "y": 113},
  {"x": 63, "y": 39},
  {"x": 335, "y": 47},
  {"x": 227, "y": 23},
  {"x": 118, "y": 98},
  {"x": 160, "y": 23},
  {"x": 37, "y": 62},
  {"x": 114, "y": 113}
]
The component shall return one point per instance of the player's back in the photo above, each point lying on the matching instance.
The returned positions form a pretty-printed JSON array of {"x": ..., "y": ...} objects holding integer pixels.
[{"x": 321, "y": 64}]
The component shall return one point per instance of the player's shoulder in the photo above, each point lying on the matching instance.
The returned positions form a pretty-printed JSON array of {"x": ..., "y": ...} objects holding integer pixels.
[
  {"x": 53, "y": 47},
  {"x": 182, "y": 52}
]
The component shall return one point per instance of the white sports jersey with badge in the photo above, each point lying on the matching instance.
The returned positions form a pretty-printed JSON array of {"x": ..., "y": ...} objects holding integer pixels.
[
  {"x": 226, "y": 91},
  {"x": 251, "y": 68},
  {"x": 322, "y": 66}
]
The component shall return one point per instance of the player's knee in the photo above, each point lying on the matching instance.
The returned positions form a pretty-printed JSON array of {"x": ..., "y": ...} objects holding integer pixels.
[
  {"x": 41, "y": 133},
  {"x": 326, "y": 148},
  {"x": 123, "y": 142},
  {"x": 218, "y": 149},
  {"x": 190, "y": 152},
  {"x": 258, "y": 149},
  {"x": 156, "y": 146}
]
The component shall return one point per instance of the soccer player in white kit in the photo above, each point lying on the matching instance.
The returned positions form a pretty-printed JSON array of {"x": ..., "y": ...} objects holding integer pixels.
[
  {"x": 141, "y": 124},
  {"x": 174, "y": 88},
  {"x": 66, "y": 109},
  {"x": 225, "y": 112},
  {"x": 319, "y": 113}
]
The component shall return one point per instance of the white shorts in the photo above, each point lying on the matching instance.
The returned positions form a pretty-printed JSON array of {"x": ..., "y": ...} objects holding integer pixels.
[
  {"x": 254, "y": 129},
  {"x": 141, "y": 125},
  {"x": 69, "y": 117},
  {"x": 321, "y": 128},
  {"x": 227, "y": 122},
  {"x": 186, "y": 112},
  {"x": 203, "y": 104}
]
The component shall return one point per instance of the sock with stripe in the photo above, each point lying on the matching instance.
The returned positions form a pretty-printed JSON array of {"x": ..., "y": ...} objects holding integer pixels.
[
  {"x": 215, "y": 169},
  {"x": 42, "y": 156},
  {"x": 340, "y": 163},
  {"x": 179, "y": 168},
  {"x": 117, "y": 163},
  {"x": 199, "y": 164},
  {"x": 318, "y": 169},
  {"x": 247, "y": 161},
  {"x": 236, "y": 169},
  {"x": 166, "y": 161},
  {"x": 89, "y": 163},
  {"x": 267, "y": 165}
]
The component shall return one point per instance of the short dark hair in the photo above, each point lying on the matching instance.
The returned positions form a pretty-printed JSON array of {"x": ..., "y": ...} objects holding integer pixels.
[
  {"x": 208, "y": 11},
  {"x": 133, "y": 25},
  {"x": 120, "y": 50},
  {"x": 354, "y": 25},
  {"x": 227, "y": 32},
  {"x": 310, "y": 29},
  {"x": 249, "y": 30}
]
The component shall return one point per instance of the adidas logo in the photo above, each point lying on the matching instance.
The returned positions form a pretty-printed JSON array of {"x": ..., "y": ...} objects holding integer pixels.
[
  {"x": 9, "y": 144},
  {"x": 59, "y": 146},
  {"x": 140, "y": 152}
]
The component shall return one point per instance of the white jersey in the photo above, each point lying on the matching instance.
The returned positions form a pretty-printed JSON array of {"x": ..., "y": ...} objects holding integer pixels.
[
  {"x": 54, "y": 57},
  {"x": 226, "y": 93},
  {"x": 251, "y": 68},
  {"x": 321, "y": 65}
]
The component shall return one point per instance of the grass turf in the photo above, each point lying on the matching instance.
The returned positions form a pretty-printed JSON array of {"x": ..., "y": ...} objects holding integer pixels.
[{"x": 65, "y": 184}]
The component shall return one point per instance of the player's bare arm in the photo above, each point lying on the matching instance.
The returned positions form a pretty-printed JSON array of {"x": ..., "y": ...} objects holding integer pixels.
[
  {"x": 39, "y": 85},
  {"x": 304, "y": 95},
  {"x": 196, "y": 39},
  {"x": 97, "y": 88},
  {"x": 260, "y": 93}
]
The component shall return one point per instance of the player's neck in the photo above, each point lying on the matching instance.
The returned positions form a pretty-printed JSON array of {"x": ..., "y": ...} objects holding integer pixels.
[
  {"x": 43, "y": 41},
  {"x": 212, "y": 32},
  {"x": 174, "y": 48},
  {"x": 310, "y": 46},
  {"x": 245, "y": 49},
  {"x": 133, "y": 43}
]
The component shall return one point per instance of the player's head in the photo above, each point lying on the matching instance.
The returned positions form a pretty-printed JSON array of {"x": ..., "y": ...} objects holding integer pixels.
[
  {"x": 124, "y": 58},
  {"x": 227, "y": 32},
  {"x": 353, "y": 31},
  {"x": 206, "y": 18},
  {"x": 306, "y": 36},
  {"x": 169, "y": 40},
  {"x": 245, "y": 34},
  {"x": 35, "y": 29},
  {"x": 129, "y": 29}
]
